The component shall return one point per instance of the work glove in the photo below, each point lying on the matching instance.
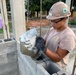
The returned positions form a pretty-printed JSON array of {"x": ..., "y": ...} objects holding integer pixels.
[{"x": 40, "y": 45}]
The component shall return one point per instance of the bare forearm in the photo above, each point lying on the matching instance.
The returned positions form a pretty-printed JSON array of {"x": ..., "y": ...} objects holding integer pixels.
[{"x": 53, "y": 55}]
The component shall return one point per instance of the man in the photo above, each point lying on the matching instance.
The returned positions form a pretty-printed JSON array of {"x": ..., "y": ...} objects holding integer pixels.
[{"x": 60, "y": 40}]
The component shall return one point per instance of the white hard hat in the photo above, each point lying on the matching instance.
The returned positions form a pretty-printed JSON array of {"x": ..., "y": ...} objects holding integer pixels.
[{"x": 59, "y": 10}]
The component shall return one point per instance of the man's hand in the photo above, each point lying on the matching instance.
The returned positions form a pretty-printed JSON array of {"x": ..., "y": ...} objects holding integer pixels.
[{"x": 40, "y": 44}]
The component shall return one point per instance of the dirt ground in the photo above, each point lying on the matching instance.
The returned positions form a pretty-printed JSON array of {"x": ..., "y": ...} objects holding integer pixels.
[{"x": 35, "y": 23}]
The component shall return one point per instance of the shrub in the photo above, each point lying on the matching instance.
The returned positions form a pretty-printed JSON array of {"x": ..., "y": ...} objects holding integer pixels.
[{"x": 72, "y": 22}]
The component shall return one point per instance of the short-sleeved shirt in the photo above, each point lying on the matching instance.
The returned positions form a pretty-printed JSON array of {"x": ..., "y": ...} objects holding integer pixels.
[{"x": 65, "y": 40}]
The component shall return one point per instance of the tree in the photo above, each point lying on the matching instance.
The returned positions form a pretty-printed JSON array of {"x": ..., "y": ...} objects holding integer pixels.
[
  {"x": 74, "y": 4},
  {"x": 34, "y": 5},
  {"x": 8, "y": 5},
  {"x": 47, "y": 4}
]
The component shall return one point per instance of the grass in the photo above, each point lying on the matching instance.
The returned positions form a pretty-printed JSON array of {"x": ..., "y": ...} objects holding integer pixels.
[
  {"x": 1, "y": 30},
  {"x": 10, "y": 28}
]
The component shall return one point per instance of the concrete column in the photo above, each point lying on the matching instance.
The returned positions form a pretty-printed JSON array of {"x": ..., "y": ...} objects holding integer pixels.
[
  {"x": 18, "y": 18},
  {"x": 4, "y": 19}
]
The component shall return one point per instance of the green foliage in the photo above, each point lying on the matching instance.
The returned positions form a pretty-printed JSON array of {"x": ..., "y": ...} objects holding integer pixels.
[
  {"x": 34, "y": 5},
  {"x": 72, "y": 22},
  {"x": 46, "y": 4},
  {"x": 8, "y": 5},
  {"x": 10, "y": 28},
  {"x": 1, "y": 30},
  {"x": 74, "y": 4}
]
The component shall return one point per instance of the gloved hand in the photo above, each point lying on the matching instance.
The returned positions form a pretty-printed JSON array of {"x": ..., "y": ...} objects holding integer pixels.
[{"x": 40, "y": 44}]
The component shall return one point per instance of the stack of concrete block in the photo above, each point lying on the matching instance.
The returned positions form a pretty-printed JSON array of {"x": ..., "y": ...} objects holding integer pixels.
[{"x": 8, "y": 58}]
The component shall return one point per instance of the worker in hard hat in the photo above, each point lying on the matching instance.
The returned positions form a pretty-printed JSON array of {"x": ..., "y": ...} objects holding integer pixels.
[{"x": 60, "y": 40}]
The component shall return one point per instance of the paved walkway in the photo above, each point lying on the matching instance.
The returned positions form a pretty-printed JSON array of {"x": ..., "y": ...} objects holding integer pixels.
[{"x": 35, "y": 23}]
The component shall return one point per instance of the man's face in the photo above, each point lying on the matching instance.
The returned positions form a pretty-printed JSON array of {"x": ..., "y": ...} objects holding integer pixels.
[{"x": 57, "y": 23}]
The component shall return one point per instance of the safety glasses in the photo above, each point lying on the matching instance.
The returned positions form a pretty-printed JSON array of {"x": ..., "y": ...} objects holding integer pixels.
[{"x": 56, "y": 21}]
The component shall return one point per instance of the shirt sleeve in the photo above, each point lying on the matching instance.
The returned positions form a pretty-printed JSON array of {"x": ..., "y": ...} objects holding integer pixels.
[{"x": 68, "y": 43}]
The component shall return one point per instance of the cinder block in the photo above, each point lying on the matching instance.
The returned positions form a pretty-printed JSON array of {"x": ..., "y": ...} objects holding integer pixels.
[
  {"x": 8, "y": 67},
  {"x": 12, "y": 72},
  {"x": 20, "y": 73},
  {"x": 2, "y": 74},
  {"x": 26, "y": 65},
  {"x": 12, "y": 56},
  {"x": 6, "y": 47},
  {"x": 22, "y": 69},
  {"x": 8, "y": 58},
  {"x": 3, "y": 59},
  {"x": 12, "y": 65}
]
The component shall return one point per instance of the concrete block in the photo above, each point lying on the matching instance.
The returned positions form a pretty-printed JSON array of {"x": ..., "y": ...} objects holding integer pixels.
[
  {"x": 25, "y": 51},
  {"x": 2, "y": 74},
  {"x": 12, "y": 72},
  {"x": 22, "y": 69},
  {"x": 12, "y": 56},
  {"x": 12, "y": 65},
  {"x": 8, "y": 57},
  {"x": 26, "y": 65},
  {"x": 3, "y": 58},
  {"x": 8, "y": 67},
  {"x": 6, "y": 47}
]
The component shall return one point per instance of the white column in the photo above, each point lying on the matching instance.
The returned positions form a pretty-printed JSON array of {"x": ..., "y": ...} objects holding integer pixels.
[
  {"x": 18, "y": 17},
  {"x": 4, "y": 19}
]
